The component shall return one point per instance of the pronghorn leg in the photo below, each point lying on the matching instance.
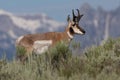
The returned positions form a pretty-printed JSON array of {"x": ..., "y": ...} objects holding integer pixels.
[
  {"x": 29, "y": 51},
  {"x": 26, "y": 45},
  {"x": 22, "y": 56}
]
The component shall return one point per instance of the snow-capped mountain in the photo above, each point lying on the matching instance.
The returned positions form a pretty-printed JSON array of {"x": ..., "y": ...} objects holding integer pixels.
[
  {"x": 31, "y": 24},
  {"x": 100, "y": 24}
]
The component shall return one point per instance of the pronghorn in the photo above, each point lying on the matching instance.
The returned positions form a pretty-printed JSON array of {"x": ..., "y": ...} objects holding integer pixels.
[{"x": 41, "y": 42}]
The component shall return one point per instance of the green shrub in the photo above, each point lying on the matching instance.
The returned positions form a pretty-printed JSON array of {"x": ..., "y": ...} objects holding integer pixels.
[{"x": 97, "y": 63}]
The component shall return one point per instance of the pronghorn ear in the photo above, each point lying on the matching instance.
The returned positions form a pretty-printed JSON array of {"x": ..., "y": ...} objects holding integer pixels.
[{"x": 68, "y": 18}]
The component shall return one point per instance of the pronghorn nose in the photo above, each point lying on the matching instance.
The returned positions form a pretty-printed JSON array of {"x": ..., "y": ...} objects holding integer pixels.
[{"x": 84, "y": 32}]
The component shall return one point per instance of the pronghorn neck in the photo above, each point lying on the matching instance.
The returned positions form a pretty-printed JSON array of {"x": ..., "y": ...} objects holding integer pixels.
[
  {"x": 70, "y": 35},
  {"x": 69, "y": 32}
]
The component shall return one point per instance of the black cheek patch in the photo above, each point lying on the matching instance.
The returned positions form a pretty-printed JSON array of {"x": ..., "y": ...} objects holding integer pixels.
[{"x": 71, "y": 31}]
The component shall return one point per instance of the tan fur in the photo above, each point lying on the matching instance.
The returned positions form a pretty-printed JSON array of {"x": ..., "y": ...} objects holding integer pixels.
[{"x": 28, "y": 40}]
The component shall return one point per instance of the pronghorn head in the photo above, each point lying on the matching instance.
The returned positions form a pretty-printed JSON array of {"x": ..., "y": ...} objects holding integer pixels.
[{"x": 73, "y": 25}]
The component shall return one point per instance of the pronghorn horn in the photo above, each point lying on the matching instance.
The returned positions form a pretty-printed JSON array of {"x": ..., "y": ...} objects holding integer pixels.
[
  {"x": 68, "y": 18},
  {"x": 78, "y": 13},
  {"x": 73, "y": 13},
  {"x": 79, "y": 16}
]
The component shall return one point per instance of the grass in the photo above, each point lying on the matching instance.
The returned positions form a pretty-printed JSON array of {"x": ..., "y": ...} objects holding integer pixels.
[{"x": 97, "y": 63}]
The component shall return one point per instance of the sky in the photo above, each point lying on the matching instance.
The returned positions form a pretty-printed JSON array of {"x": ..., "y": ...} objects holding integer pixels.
[{"x": 56, "y": 9}]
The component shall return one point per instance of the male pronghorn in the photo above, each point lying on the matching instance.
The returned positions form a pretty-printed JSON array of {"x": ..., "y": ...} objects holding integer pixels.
[{"x": 39, "y": 43}]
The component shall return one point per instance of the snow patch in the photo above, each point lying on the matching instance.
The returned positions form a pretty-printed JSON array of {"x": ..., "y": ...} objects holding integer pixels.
[
  {"x": 53, "y": 24},
  {"x": 12, "y": 34},
  {"x": 30, "y": 25}
]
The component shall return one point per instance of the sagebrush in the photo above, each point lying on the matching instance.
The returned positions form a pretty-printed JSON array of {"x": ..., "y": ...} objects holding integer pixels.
[{"x": 96, "y": 63}]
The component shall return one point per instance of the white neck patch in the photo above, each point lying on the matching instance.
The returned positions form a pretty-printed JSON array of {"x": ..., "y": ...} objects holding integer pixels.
[{"x": 71, "y": 36}]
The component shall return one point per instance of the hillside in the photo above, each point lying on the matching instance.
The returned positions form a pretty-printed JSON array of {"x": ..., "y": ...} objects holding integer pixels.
[{"x": 97, "y": 63}]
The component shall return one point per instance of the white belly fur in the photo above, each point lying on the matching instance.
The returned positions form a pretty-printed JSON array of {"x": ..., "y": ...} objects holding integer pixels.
[{"x": 41, "y": 46}]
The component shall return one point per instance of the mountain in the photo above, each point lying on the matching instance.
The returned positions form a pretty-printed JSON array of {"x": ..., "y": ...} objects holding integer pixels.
[
  {"x": 99, "y": 25},
  {"x": 12, "y": 26}
]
